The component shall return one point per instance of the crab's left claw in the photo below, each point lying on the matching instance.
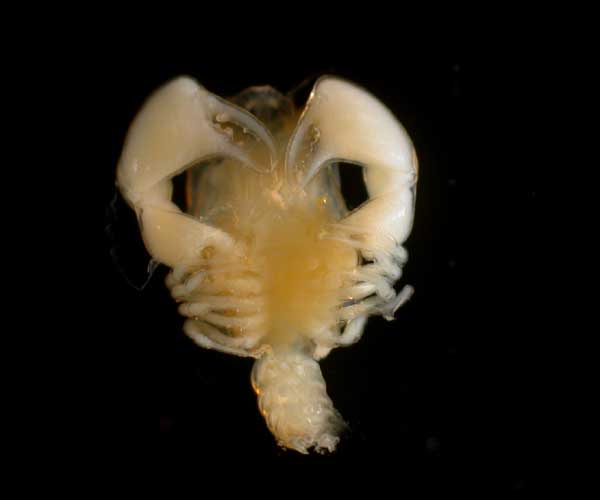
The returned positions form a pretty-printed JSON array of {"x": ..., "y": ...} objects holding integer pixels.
[{"x": 181, "y": 124}]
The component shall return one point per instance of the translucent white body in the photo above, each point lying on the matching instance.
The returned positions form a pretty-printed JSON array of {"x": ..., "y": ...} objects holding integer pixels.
[{"x": 267, "y": 262}]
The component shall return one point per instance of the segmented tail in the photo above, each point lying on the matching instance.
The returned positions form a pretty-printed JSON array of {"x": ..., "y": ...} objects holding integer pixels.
[{"x": 293, "y": 399}]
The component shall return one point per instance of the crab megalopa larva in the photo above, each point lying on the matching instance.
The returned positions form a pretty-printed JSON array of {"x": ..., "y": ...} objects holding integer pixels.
[{"x": 267, "y": 261}]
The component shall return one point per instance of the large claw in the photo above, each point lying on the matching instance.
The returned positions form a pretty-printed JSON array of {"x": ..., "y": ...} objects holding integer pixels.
[
  {"x": 181, "y": 124},
  {"x": 343, "y": 122}
]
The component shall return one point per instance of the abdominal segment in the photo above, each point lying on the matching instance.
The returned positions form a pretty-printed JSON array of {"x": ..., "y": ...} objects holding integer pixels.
[{"x": 293, "y": 400}]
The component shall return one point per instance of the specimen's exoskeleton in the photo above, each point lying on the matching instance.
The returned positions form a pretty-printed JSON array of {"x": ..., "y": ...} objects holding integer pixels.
[{"x": 267, "y": 261}]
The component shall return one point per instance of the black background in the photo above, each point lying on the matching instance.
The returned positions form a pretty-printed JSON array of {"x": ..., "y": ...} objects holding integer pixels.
[{"x": 445, "y": 397}]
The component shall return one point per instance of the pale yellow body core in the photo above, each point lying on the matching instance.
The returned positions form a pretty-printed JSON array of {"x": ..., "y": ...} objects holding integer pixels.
[
  {"x": 305, "y": 273},
  {"x": 280, "y": 229}
]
